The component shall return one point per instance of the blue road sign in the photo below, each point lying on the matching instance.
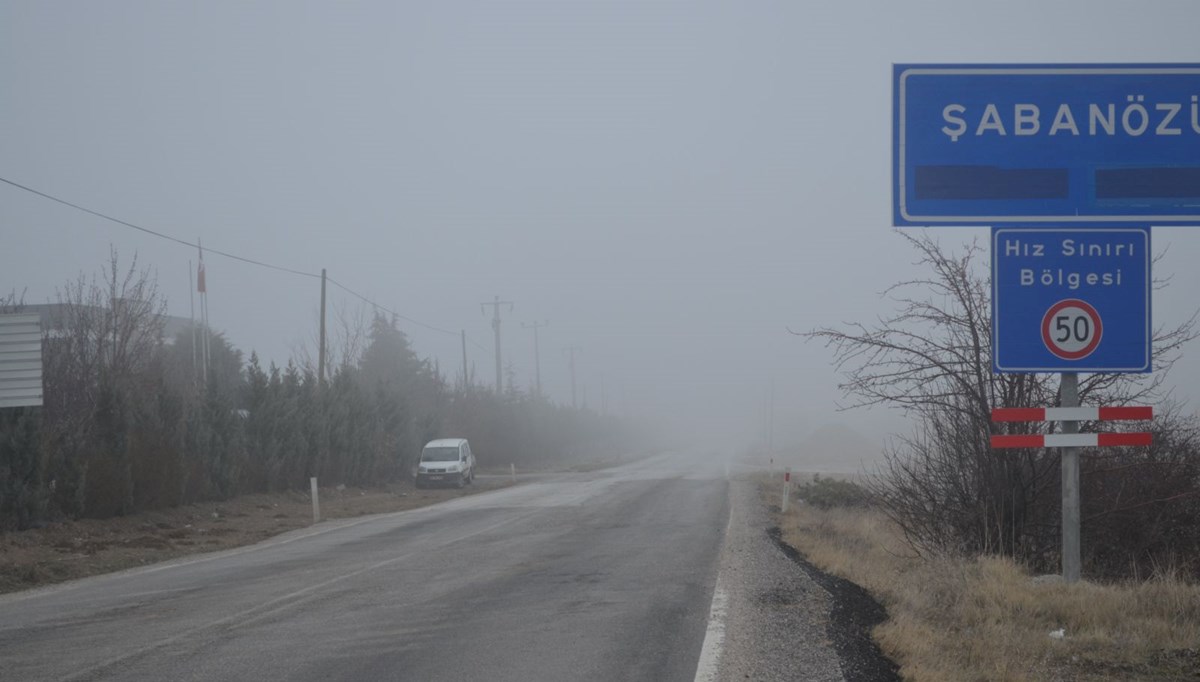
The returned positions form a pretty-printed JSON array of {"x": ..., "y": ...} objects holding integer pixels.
[
  {"x": 1071, "y": 300},
  {"x": 1053, "y": 145}
]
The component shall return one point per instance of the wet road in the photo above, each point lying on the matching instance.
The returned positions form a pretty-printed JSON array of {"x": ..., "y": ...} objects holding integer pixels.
[{"x": 598, "y": 576}]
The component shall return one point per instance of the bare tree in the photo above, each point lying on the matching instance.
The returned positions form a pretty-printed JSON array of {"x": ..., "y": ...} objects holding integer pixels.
[
  {"x": 932, "y": 358},
  {"x": 12, "y": 303},
  {"x": 103, "y": 339},
  {"x": 350, "y": 337}
]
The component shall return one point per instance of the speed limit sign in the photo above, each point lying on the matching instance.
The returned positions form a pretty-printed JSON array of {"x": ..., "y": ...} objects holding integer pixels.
[{"x": 1071, "y": 329}]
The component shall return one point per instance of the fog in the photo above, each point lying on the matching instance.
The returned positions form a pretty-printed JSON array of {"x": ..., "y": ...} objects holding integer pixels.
[{"x": 671, "y": 186}]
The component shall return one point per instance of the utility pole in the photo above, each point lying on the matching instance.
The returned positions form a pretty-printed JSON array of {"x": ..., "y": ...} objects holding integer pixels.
[
  {"x": 572, "y": 350},
  {"x": 466, "y": 376},
  {"x": 496, "y": 303},
  {"x": 537, "y": 357},
  {"x": 321, "y": 344}
]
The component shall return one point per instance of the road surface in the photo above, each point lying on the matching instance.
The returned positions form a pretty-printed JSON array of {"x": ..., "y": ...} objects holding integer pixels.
[{"x": 600, "y": 576}]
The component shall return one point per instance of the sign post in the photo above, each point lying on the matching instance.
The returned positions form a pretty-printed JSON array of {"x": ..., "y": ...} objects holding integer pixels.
[{"x": 1068, "y": 396}]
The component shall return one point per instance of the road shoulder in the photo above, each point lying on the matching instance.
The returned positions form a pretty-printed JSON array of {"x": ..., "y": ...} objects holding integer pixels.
[{"x": 775, "y": 616}]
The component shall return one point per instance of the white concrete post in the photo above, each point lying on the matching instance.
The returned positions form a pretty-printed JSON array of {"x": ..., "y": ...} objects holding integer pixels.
[
  {"x": 787, "y": 482},
  {"x": 512, "y": 470},
  {"x": 316, "y": 504}
]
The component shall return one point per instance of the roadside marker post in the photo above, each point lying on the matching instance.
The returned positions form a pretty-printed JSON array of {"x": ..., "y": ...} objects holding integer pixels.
[
  {"x": 1069, "y": 165},
  {"x": 512, "y": 471},
  {"x": 787, "y": 482},
  {"x": 316, "y": 504}
]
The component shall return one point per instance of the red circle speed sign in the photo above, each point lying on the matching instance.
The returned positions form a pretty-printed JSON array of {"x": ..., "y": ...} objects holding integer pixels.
[{"x": 1071, "y": 329}]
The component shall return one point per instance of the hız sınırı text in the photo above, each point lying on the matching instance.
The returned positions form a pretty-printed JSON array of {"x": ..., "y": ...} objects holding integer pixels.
[{"x": 1071, "y": 248}]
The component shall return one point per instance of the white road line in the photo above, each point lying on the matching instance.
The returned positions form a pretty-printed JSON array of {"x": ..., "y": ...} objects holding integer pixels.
[{"x": 714, "y": 636}]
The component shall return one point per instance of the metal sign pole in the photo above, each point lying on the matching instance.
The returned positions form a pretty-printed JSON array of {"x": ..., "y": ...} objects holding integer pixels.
[{"x": 1069, "y": 397}]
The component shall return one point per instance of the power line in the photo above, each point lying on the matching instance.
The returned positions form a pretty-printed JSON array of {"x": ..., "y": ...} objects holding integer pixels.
[
  {"x": 147, "y": 230},
  {"x": 226, "y": 254},
  {"x": 393, "y": 312}
]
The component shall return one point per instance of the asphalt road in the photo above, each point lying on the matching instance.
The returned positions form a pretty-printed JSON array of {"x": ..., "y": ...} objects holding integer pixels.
[{"x": 598, "y": 576}]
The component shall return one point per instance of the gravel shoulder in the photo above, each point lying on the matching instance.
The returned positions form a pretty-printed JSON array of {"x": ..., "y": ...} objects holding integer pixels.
[{"x": 784, "y": 619}]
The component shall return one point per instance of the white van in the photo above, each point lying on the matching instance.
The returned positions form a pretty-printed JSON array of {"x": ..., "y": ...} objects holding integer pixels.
[{"x": 446, "y": 461}]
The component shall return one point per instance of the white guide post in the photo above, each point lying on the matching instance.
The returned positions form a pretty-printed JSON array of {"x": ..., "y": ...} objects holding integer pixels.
[
  {"x": 316, "y": 504},
  {"x": 787, "y": 482}
]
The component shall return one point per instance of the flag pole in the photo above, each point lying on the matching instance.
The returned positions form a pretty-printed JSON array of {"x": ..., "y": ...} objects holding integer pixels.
[
  {"x": 202, "y": 287},
  {"x": 192, "y": 306}
]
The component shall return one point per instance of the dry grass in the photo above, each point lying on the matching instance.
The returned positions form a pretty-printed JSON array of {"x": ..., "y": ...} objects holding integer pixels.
[{"x": 954, "y": 619}]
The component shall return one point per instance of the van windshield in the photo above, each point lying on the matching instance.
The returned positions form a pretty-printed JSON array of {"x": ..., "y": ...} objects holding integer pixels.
[{"x": 439, "y": 455}]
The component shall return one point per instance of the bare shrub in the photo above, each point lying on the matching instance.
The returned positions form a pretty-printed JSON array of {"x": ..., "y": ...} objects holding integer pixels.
[{"x": 943, "y": 484}]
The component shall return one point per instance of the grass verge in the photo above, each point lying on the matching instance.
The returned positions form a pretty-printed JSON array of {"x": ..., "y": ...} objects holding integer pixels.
[{"x": 953, "y": 618}]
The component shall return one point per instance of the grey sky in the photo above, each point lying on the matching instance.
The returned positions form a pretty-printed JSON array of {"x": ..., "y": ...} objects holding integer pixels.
[{"x": 670, "y": 184}]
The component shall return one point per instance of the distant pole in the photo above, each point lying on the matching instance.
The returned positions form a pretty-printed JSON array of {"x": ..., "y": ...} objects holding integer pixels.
[
  {"x": 202, "y": 288},
  {"x": 207, "y": 338},
  {"x": 192, "y": 304},
  {"x": 603, "y": 398},
  {"x": 496, "y": 303},
  {"x": 571, "y": 351},
  {"x": 466, "y": 376},
  {"x": 321, "y": 344},
  {"x": 1071, "y": 568},
  {"x": 771, "y": 418},
  {"x": 537, "y": 355}
]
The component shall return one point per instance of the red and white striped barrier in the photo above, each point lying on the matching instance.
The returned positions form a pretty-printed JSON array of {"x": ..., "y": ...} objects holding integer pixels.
[
  {"x": 1070, "y": 440},
  {"x": 1070, "y": 414}
]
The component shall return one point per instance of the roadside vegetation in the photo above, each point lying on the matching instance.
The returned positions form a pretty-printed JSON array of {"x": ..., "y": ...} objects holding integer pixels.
[
  {"x": 131, "y": 424},
  {"x": 953, "y": 617}
]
